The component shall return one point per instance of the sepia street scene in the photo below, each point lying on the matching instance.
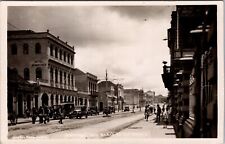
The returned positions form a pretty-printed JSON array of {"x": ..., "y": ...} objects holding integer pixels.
[{"x": 112, "y": 72}]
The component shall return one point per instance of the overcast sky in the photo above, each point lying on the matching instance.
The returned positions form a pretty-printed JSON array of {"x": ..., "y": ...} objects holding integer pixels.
[{"x": 125, "y": 40}]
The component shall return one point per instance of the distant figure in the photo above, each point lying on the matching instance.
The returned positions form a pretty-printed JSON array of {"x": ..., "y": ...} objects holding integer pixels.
[
  {"x": 147, "y": 112},
  {"x": 27, "y": 113},
  {"x": 158, "y": 113},
  {"x": 60, "y": 115},
  {"x": 41, "y": 114},
  {"x": 34, "y": 115}
]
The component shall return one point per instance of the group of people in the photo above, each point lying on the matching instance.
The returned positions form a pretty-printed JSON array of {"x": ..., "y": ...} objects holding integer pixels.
[
  {"x": 161, "y": 113},
  {"x": 45, "y": 113}
]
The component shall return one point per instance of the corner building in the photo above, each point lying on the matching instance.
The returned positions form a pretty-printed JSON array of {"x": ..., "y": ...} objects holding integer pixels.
[{"x": 42, "y": 58}]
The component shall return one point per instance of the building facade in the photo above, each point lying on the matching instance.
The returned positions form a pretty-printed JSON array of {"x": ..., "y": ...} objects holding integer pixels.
[
  {"x": 131, "y": 97},
  {"x": 107, "y": 94},
  {"x": 87, "y": 87},
  {"x": 119, "y": 92},
  {"x": 42, "y": 58},
  {"x": 192, "y": 76}
]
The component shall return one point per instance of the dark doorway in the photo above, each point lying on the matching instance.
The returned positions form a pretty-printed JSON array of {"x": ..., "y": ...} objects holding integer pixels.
[
  {"x": 20, "y": 105},
  {"x": 101, "y": 106},
  {"x": 44, "y": 99}
]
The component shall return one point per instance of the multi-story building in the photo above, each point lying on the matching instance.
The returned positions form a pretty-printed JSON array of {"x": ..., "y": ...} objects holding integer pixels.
[
  {"x": 131, "y": 97},
  {"x": 192, "y": 77},
  {"x": 86, "y": 84},
  {"x": 42, "y": 58},
  {"x": 107, "y": 94},
  {"x": 119, "y": 92}
]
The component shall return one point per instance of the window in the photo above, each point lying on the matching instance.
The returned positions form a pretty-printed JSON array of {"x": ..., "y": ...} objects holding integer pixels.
[
  {"x": 51, "y": 74},
  {"x": 72, "y": 80},
  {"x": 64, "y": 98},
  {"x": 38, "y": 73},
  {"x": 60, "y": 73},
  {"x": 65, "y": 77},
  {"x": 25, "y": 49},
  {"x": 14, "y": 49},
  {"x": 56, "y": 75},
  {"x": 51, "y": 50},
  {"x": 61, "y": 98},
  {"x": 60, "y": 54},
  {"x": 65, "y": 56},
  {"x": 26, "y": 73},
  {"x": 37, "y": 48},
  {"x": 68, "y": 79},
  {"x": 56, "y": 52},
  {"x": 68, "y": 58},
  {"x": 71, "y": 60}
]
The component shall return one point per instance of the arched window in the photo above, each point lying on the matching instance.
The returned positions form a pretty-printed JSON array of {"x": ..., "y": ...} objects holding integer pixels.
[
  {"x": 25, "y": 49},
  {"x": 14, "y": 49},
  {"x": 37, "y": 48},
  {"x": 38, "y": 73},
  {"x": 26, "y": 74},
  {"x": 57, "y": 99}
]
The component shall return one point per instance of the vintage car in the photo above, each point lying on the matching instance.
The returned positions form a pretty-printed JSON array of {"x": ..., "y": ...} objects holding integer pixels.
[
  {"x": 126, "y": 109},
  {"x": 79, "y": 112},
  {"x": 65, "y": 108}
]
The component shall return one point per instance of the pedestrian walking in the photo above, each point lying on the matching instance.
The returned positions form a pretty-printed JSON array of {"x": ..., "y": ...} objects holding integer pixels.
[
  {"x": 147, "y": 113},
  {"x": 60, "y": 115},
  {"x": 34, "y": 115},
  {"x": 41, "y": 114},
  {"x": 158, "y": 113}
]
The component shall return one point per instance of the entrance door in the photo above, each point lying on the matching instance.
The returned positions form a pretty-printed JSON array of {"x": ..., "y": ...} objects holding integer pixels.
[
  {"x": 44, "y": 99},
  {"x": 101, "y": 106},
  {"x": 20, "y": 105}
]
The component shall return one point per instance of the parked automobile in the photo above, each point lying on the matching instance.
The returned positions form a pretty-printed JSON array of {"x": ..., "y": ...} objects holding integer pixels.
[
  {"x": 126, "y": 109},
  {"x": 67, "y": 108},
  {"x": 93, "y": 111},
  {"x": 79, "y": 112}
]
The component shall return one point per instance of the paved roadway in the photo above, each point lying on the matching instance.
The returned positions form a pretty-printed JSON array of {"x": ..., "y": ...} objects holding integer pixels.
[{"x": 118, "y": 126}]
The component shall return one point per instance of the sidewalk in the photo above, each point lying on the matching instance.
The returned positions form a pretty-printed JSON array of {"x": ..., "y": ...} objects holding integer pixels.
[{"x": 146, "y": 129}]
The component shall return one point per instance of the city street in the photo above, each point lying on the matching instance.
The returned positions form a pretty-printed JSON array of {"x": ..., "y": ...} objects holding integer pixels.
[{"x": 118, "y": 125}]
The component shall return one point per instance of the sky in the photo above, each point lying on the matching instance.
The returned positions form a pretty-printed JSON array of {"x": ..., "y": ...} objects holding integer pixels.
[{"x": 125, "y": 40}]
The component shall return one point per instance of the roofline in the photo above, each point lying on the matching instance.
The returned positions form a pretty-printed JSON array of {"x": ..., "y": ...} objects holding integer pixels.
[{"x": 48, "y": 35}]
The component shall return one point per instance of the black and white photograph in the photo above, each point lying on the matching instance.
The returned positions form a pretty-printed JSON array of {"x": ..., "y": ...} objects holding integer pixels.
[{"x": 112, "y": 72}]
